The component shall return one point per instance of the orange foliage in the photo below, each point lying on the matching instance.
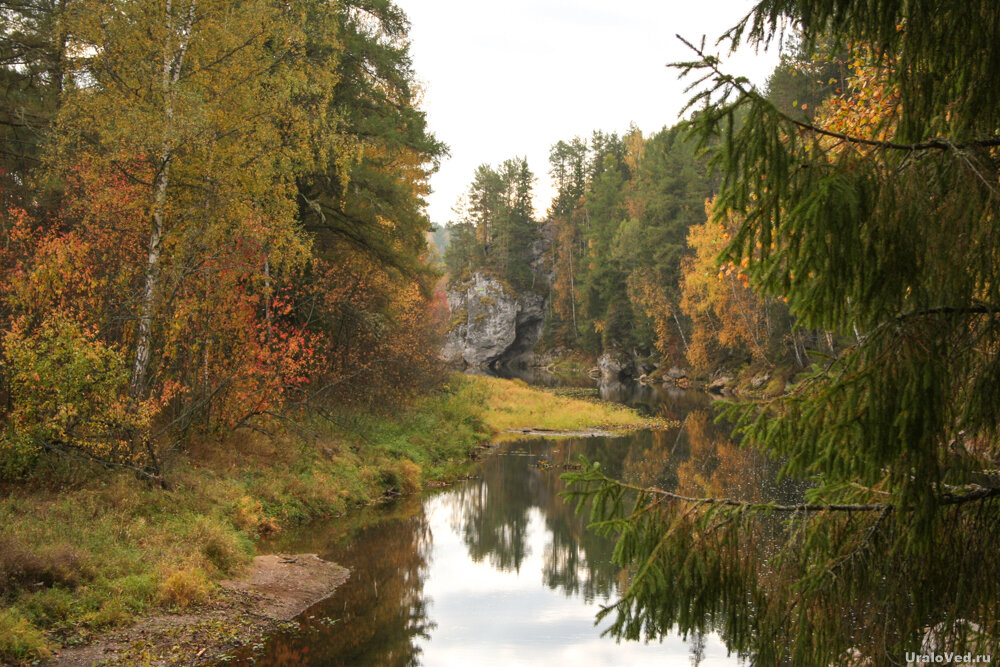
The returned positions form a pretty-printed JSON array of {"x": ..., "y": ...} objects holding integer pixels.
[
  {"x": 228, "y": 347},
  {"x": 380, "y": 332},
  {"x": 867, "y": 109}
]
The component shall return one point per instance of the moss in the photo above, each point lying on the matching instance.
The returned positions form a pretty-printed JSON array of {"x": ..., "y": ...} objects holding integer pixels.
[{"x": 459, "y": 317}]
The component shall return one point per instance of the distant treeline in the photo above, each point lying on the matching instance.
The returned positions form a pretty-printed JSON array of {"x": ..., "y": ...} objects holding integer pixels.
[{"x": 633, "y": 260}]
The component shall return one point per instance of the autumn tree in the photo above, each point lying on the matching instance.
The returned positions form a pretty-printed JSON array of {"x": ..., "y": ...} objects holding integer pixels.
[
  {"x": 732, "y": 324},
  {"x": 671, "y": 185},
  {"x": 218, "y": 165},
  {"x": 368, "y": 292}
]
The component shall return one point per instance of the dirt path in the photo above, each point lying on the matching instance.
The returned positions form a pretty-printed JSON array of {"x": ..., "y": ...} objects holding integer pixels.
[{"x": 278, "y": 588}]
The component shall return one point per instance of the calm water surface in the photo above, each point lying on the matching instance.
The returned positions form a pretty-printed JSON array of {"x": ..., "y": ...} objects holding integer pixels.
[{"x": 499, "y": 570}]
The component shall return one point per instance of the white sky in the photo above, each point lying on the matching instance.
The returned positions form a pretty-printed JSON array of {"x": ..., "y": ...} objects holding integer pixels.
[{"x": 507, "y": 79}]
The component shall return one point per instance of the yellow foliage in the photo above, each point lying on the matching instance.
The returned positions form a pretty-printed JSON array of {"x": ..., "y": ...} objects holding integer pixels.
[
  {"x": 184, "y": 587},
  {"x": 69, "y": 390},
  {"x": 727, "y": 316}
]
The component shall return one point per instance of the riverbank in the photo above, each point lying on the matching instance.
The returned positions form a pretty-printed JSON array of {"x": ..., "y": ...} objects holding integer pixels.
[
  {"x": 84, "y": 552},
  {"x": 277, "y": 589}
]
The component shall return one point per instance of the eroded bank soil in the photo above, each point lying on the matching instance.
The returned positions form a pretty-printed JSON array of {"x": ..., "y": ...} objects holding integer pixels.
[{"x": 277, "y": 589}]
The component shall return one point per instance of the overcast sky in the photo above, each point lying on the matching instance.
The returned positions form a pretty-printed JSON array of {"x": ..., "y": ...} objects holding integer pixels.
[{"x": 507, "y": 79}]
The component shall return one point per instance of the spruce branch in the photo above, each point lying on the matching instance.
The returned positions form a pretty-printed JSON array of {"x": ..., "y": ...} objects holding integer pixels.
[
  {"x": 740, "y": 84},
  {"x": 593, "y": 475}
]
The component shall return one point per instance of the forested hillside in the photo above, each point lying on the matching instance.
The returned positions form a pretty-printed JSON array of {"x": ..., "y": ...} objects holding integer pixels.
[
  {"x": 631, "y": 255},
  {"x": 872, "y": 216}
]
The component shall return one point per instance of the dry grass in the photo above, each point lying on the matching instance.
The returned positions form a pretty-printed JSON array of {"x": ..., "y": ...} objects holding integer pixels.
[
  {"x": 512, "y": 404},
  {"x": 83, "y": 551},
  {"x": 183, "y": 588}
]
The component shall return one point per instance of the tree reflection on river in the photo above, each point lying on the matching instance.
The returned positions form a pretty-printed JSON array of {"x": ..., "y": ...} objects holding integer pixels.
[{"x": 501, "y": 569}]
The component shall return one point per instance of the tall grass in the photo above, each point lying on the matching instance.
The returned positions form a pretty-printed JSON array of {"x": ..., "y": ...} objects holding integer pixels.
[{"x": 512, "y": 404}]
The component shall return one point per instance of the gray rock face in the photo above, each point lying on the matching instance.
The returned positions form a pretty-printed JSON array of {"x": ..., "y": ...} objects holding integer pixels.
[
  {"x": 612, "y": 366},
  {"x": 528, "y": 328},
  {"x": 492, "y": 326}
]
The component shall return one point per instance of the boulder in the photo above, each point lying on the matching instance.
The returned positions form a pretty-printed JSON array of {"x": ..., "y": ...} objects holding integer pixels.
[
  {"x": 612, "y": 365},
  {"x": 719, "y": 384},
  {"x": 676, "y": 373}
]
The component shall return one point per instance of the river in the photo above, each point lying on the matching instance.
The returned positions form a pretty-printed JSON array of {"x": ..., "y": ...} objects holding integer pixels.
[{"x": 500, "y": 570}]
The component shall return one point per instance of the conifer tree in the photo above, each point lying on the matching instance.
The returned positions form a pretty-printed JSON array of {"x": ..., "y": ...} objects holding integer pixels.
[
  {"x": 499, "y": 211},
  {"x": 877, "y": 219}
]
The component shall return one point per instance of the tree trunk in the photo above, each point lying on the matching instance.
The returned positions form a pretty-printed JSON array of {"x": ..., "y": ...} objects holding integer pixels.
[
  {"x": 172, "y": 62},
  {"x": 680, "y": 330}
]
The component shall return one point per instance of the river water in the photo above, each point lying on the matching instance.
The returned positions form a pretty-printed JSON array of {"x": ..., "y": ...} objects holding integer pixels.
[{"x": 500, "y": 570}]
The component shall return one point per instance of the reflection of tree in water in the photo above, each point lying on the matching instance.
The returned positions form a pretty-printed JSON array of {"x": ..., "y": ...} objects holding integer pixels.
[
  {"x": 577, "y": 560},
  {"x": 697, "y": 649},
  {"x": 379, "y": 611},
  {"x": 671, "y": 403},
  {"x": 494, "y": 512},
  {"x": 722, "y": 572}
]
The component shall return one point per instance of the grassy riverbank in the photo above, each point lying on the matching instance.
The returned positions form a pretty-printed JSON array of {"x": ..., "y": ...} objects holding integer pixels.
[{"x": 85, "y": 550}]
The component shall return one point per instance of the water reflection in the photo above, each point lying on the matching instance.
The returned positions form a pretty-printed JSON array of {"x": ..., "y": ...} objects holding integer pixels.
[
  {"x": 380, "y": 615},
  {"x": 501, "y": 570},
  {"x": 493, "y": 516}
]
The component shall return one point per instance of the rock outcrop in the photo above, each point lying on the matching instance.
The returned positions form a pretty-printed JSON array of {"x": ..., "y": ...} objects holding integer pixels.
[{"x": 492, "y": 326}]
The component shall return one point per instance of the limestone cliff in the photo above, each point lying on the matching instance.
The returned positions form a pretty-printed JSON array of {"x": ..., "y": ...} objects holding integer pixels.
[{"x": 491, "y": 325}]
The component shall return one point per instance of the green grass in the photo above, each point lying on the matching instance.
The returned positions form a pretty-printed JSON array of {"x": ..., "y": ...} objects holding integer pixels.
[{"x": 83, "y": 550}]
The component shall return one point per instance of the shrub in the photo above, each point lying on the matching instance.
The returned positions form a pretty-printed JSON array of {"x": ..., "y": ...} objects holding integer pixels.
[
  {"x": 184, "y": 587},
  {"x": 248, "y": 515},
  {"x": 220, "y": 545},
  {"x": 21, "y": 567},
  {"x": 69, "y": 391},
  {"x": 404, "y": 477}
]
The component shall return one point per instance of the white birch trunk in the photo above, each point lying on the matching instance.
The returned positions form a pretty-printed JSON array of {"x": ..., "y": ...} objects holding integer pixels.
[{"x": 172, "y": 62}]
